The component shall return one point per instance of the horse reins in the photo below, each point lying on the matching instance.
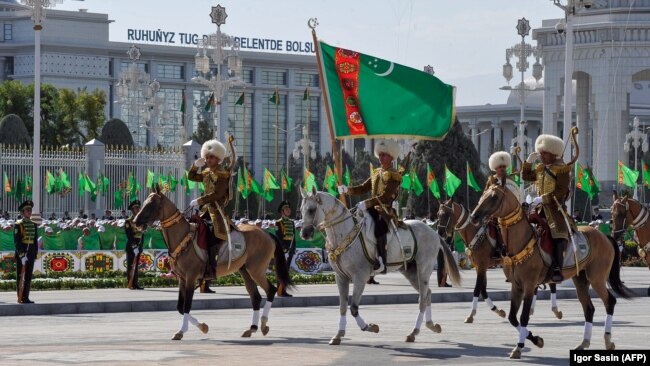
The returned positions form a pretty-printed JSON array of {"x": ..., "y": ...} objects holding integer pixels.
[{"x": 167, "y": 223}]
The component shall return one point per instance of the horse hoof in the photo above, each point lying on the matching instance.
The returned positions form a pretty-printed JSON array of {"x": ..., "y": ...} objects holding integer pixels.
[
  {"x": 469, "y": 319},
  {"x": 584, "y": 345},
  {"x": 502, "y": 313},
  {"x": 265, "y": 330},
  {"x": 515, "y": 354},
  {"x": 531, "y": 312},
  {"x": 203, "y": 328},
  {"x": 558, "y": 313},
  {"x": 247, "y": 333},
  {"x": 335, "y": 341},
  {"x": 410, "y": 338},
  {"x": 373, "y": 328},
  {"x": 539, "y": 342},
  {"x": 435, "y": 327},
  {"x": 610, "y": 346},
  {"x": 178, "y": 336}
]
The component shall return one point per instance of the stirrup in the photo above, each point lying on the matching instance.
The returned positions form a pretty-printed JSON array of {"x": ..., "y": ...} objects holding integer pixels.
[
  {"x": 382, "y": 268},
  {"x": 557, "y": 273}
]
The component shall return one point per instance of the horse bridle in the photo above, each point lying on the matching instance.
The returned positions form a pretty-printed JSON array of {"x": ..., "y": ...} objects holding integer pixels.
[
  {"x": 167, "y": 223},
  {"x": 637, "y": 223},
  {"x": 462, "y": 223}
]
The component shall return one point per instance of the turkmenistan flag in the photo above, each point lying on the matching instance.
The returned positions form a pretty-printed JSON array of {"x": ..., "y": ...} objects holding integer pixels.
[
  {"x": 593, "y": 182},
  {"x": 241, "y": 100},
  {"x": 269, "y": 181},
  {"x": 346, "y": 176},
  {"x": 310, "y": 181},
  {"x": 7, "y": 183},
  {"x": 119, "y": 201},
  {"x": 151, "y": 179},
  {"x": 627, "y": 176},
  {"x": 275, "y": 98},
  {"x": 172, "y": 181},
  {"x": 452, "y": 182},
  {"x": 28, "y": 186},
  {"x": 20, "y": 189},
  {"x": 582, "y": 180},
  {"x": 329, "y": 183},
  {"x": 471, "y": 181},
  {"x": 415, "y": 184},
  {"x": 64, "y": 180},
  {"x": 50, "y": 182},
  {"x": 514, "y": 177},
  {"x": 133, "y": 187},
  {"x": 287, "y": 182},
  {"x": 432, "y": 182},
  {"x": 81, "y": 180},
  {"x": 369, "y": 96},
  {"x": 211, "y": 102},
  {"x": 646, "y": 174}
]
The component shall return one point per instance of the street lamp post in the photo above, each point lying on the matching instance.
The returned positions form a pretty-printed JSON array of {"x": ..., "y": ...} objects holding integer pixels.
[
  {"x": 305, "y": 147},
  {"x": 522, "y": 51},
  {"x": 222, "y": 50},
  {"x": 278, "y": 128},
  {"x": 636, "y": 138}
]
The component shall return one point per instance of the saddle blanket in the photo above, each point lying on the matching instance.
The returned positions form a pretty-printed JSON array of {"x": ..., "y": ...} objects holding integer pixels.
[
  {"x": 394, "y": 255},
  {"x": 238, "y": 248},
  {"x": 583, "y": 251}
]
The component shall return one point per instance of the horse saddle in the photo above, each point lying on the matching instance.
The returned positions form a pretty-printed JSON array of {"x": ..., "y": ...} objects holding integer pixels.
[
  {"x": 398, "y": 251},
  {"x": 204, "y": 234},
  {"x": 545, "y": 244}
]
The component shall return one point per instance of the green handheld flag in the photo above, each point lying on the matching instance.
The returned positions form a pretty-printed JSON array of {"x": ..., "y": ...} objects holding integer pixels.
[
  {"x": 287, "y": 182},
  {"x": 346, "y": 176},
  {"x": 310, "y": 181},
  {"x": 81, "y": 180},
  {"x": 241, "y": 100},
  {"x": 269, "y": 181},
  {"x": 471, "y": 181},
  {"x": 119, "y": 201},
  {"x": 151, "y": 179},
  {"x": 452, "y": 182},
  {"x": 275, "y": 99},
  {"x": 432, "y": 182},
  {"x": 627, "y": 176},
  {"x": 329, "y": 183},
  {"x": 416, "y": 185}
]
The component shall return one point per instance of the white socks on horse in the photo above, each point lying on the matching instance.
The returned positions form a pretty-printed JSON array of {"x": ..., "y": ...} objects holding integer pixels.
[
  {"x": 256, "y": 317},
  {"x": 427, "y": 314},
  {"x": 343, "y": 322},
  {"x": 474, "y": 303},
  {"x": 187, "y": 318},
  {"x": 267, "y": 309},
  {"x": 489, "y": 303},
  {"x": 418, "y": 321},
  {"x": 587, "y": 333},
  {"x": 532, "y": 303},
  {"x": 523, "y": 333},
  {"x": 360, "y": 322},
  {"x": 608, "y": 324},
  {"x": 553, "y": 300}
]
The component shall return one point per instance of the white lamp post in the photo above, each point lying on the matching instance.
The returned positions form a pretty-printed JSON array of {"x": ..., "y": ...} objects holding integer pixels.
[
  {"x": 222, "y": 50},
  {"x": 636, "y": 138},
  {"x": 305, "y": 147},
  {"x": 287, "y": 142},
  {"x": 522, "y": 51}
]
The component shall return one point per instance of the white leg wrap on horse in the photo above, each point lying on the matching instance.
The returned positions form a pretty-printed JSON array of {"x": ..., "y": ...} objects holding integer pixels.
[
  {"x": 532, "y": 303},
  {"x": 256, "y": 317},
  {"x": 427, "y": 314},
  {"x": 553, "y": 300},
  {"x": 267, "y": 308},
  {"x": 474, "y": 302},
  {"x": 343, "y": 322},
  {"x": 523, "y": 333},
  {"x": 184, "y": 324},
  {"x": 418, "y": 321},
  {"x": 608, "y": 323},
  {"x": 489, "y": 302},
  {"x": 360, "y": 322},
  {"x": 587, "y": 333},
  {"x": 192, "y": 319}
]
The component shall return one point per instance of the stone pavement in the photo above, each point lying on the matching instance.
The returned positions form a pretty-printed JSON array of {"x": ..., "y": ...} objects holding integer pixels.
[{"x": 394, "y": 289}]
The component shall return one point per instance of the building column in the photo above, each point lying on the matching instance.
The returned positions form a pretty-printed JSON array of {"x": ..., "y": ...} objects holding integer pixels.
[
  {"x": 473, "y": 130},
  {"x": 582, "y": 118},
  {"x": 496, "y": 134},
  {"x": 484, "y": 151},
  {"x": 551, "y": 102}
]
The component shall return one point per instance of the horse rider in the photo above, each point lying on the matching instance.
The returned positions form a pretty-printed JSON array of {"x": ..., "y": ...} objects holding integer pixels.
[
  {"x": 286, "y": 234},
  {"x": 217, "y": 180},
  {"x": 499, "y": 163},
  {"x": 26, "y": 248},
  {"x": 383, "y": 186},
  {"x": 134, "y": 246},
  {"x": 552, "y": 178}
]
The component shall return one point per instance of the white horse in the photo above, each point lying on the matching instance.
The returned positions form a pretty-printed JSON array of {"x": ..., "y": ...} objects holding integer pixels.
[{"x": 352, "y": 252}]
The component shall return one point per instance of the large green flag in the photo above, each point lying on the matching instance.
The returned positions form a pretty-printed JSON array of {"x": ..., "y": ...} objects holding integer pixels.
[
  {"x": 287, "y": 182},
  {"x": 241, "y": 183},
  {"x": 90, "y": 185},
  {"x": 133, "y": 187},
  {"x": 627, "y": 176},
  {"x": 367, "y": 95},
  {"x": 329, "y": 183},
  {"x": 20, "y": 189},
  {"x": 255, "y": 186},
  {"x": 310, "y": 181},
  {"x": 452, "y": 182},
  {"x": 65, "y": 181},
  {"x": 471, "y": 181},
  {"x": 432, "y": 182},
  {"x": 245, "y": 187},
  {"x": 593, "y": 182}
]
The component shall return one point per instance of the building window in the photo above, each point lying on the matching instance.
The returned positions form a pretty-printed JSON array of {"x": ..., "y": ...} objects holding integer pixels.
[
  {"x": 9, "y": 32},
  {"x": 141, "y": 65},
  {"x": 308, "y": 110},
  {"x": 167, "y": 71},
  {"x": 274, "y": 77},
  {"x": 305, "y": 79},
  {"x": 247, "y": 75},
  {"x": 170, "y": 132},
  {"x": 272, "y": 116},
  {"x": 198, "y": 113},
  {"x": 240, "y": 124}
]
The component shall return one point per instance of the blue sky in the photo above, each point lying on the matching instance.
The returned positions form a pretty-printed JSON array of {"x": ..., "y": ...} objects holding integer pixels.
[{"x": 464, "y": 40}]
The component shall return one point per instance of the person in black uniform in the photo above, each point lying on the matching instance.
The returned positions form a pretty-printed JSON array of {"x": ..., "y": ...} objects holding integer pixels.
[
  {"x": 25, "y": 240},
  {"x": 286, "y": 234},
  {"x": 134, "y": 246}
]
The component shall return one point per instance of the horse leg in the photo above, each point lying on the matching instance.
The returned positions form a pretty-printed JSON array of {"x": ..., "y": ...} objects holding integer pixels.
[
  {"x": 533, "y": 302},
  {"x": 180, "y": 306},
  {"x": 554, "y": 308},
  {"x": 359, "y": 285},
  {"x": 188, "y": 294},
  {"x": 477, "y": 292},
  {"x": 259, "y": 278},
  {"x": 524, "y": 333},
  {"x": 343, "y": 284},
  {"x": 413, "y": 275},
  {"x": 582, "y": 290},
  {"x": 488, "y": 300},
  {"x": 610, "y": 303},
  {"x": 256, "y": 299}
]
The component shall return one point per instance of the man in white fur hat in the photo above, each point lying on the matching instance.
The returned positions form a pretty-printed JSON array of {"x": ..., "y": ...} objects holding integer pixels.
[
  {"x": 499, "y": 163},
  {"x": 216, "y": 179},
  {"x": 383, "y": 186},
  {"x": 552, "y": 178}
]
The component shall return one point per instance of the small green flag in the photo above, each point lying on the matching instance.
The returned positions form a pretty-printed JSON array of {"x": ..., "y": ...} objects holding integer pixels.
[
  {"x": 151, "y": 179},
  {"x": 515, "y": 177},
  {"x": 119, "y": 201},
  {"x": 275, "y": 99},
  {"x": 305, "y": 96},
  {"x": 133, "y": 187},
  {"x": 287, "y": 182},
  {"x": 310, "y": 181},
  {"x": 50, "y": 182},
  {"x": 646, "y": 174},
  {"x": 241, "y": 100},
  {"x": 210, "y": 103},
  {"x": 269, "y": 181},
  {"x": 255, "y": 186},
  {"x": 627, "y": 176},
  {"x": 90, "y": 185},
  {"x": 346, "y": 176},
  {"x": 452, "y": 182},
  {"x": 63, "y": 178},
  {"x": 416, "y": 185},
  {"x": 20, "y": 189},
  {"x": 81, "y": 180},
  {"x": 432, "y": 182},
  {"x": 471, "y": 181},
  {"x": 172, "y": 181},
  {"x": 7, "y": 184},
  {"x": 329, "y": 183}
]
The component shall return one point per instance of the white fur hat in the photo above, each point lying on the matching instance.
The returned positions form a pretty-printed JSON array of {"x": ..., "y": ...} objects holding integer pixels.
[
  {"x": 214, "y": 148},
  {"x": 390, "y": 147},
  {"x": 498, "y": 159},
  {"x": 549, "y": 143}
]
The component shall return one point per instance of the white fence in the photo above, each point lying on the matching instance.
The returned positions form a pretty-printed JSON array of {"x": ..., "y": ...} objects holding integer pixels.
[{"x": 94, "y": 159}]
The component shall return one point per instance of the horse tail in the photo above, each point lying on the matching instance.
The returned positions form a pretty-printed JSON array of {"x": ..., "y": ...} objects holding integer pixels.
[
  {"x": 450, "y": 264},
  {"x": 281, "y": 265},
  {"x": 615, "y": 274}
]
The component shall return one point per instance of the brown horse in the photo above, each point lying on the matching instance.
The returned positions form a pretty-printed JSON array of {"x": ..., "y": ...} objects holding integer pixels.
[
  {"x": 454, "y": 217},
  {"x": 628, "y": 212},
  {"x": 188, "y": 261},
  {"x": 528, "y": 270}
]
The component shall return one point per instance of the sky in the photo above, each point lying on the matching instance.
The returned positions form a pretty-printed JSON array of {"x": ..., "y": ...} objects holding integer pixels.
[{"x": 464, "y": 40}]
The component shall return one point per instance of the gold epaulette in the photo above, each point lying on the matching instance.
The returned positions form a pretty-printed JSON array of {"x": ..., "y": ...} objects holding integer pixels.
[
  {"x": 389, "y": 175},
  {"x": 219, "y": 173}
]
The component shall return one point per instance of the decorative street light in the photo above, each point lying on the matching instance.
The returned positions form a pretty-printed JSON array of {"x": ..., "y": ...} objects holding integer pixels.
[
  {"x": 305, "y": 147},
  {"x": 636, "y": 138},
  {"x": 287, "y": 141},
  {"x": 134, "y": 84},
  {"x": 522, "y": 51},
  {"x": 222, "y": 50}
]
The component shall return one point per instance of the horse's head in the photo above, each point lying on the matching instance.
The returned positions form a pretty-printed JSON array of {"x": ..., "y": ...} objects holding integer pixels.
[
  {"x": 496, "y": 201},
  {"x": 313, "y": 208},
  {"x": 446, "y": 219},
  {"x": 152, "y": 208},
  {"x": 620, "y": 211}
]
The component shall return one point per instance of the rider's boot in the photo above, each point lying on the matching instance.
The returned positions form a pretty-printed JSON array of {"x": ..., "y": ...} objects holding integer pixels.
[
  {"x": 211, "y": 270},
  {"x": 381, "y": 250},
  {"x": 557, "y": 261}
]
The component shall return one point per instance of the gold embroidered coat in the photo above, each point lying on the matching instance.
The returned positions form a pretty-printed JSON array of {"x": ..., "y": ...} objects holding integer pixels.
[{"x": 217, "y": 194}]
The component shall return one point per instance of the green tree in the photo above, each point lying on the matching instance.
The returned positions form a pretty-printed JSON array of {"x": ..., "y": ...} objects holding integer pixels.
[
  {"x": 204, "y": 132},
  {"x": 18, "y": 98},
  {"x": 90, "y": 114}
]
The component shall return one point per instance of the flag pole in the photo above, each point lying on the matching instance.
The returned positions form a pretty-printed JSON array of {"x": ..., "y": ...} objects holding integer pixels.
[
  {"x": 312, "y": 23},
  {"x": 467, "y": 184},
  {"x": 277, "y": 127}
]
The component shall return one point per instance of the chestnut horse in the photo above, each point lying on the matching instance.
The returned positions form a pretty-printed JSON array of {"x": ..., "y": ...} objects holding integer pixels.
[
  {"x": 188, "y": 261},
  {"x": 528, "y": 269}
]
